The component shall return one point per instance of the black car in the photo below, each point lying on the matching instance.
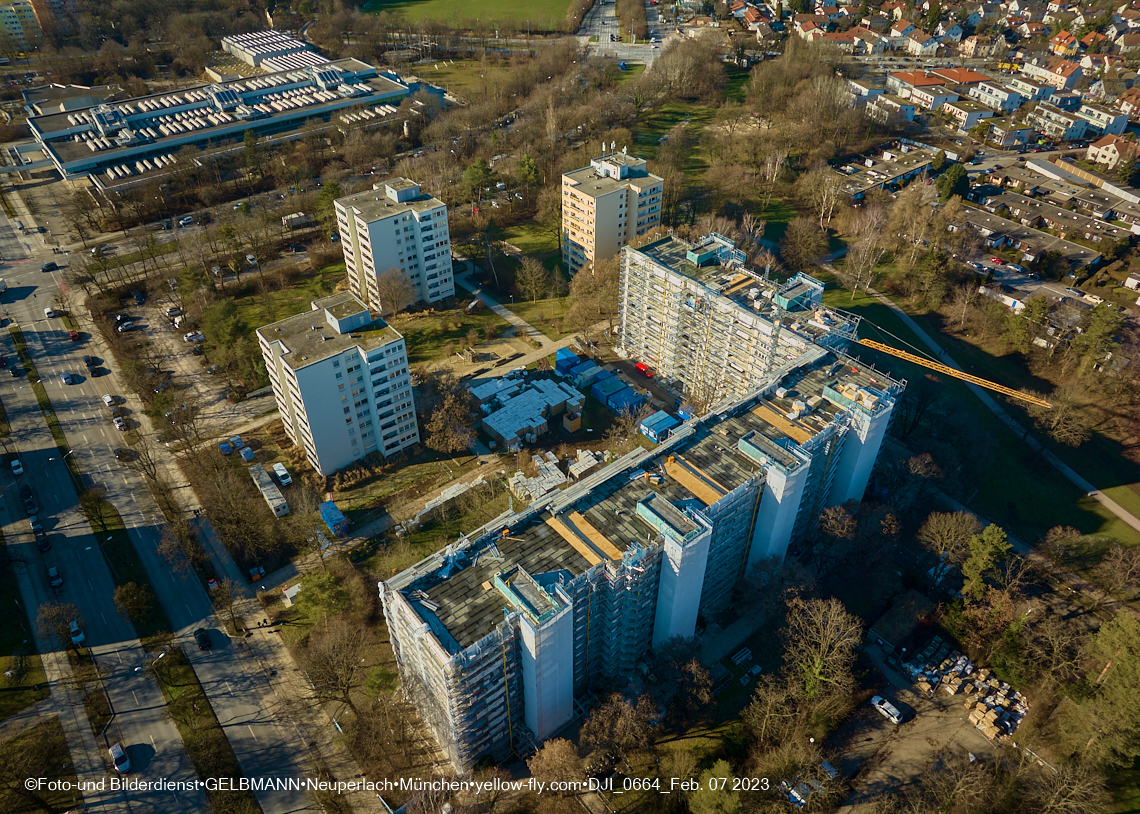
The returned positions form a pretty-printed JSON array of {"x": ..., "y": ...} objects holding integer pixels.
[
  {"x": 89, "y": 361},
  {"x": 140, "y": 297},
  {"x": 42, "y": 541},
  {"x": 49, "y": 266},
  {"x": 296, "y": 248},
  {"x": 203, "y": 639},
  {"x": 15, "y": 371},
  {"x": 25, "y": 492}
]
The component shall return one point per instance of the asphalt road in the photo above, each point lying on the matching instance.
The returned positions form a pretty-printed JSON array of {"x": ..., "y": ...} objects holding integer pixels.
[
  {"x": 602, "y": 21},
  {"x": 230, "y": 680}
]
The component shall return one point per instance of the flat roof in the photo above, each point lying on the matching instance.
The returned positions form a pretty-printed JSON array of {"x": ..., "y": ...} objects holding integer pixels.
[
  {"x": 588, "y": 182},
  {"x": 309, "y": 339},
  {"x": 454, "y": 592},
  {"x": 374, "y": 204}
]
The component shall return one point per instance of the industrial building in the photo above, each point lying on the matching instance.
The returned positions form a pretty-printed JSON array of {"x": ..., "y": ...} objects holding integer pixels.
[
  {"x": 500, "y": 636},
  {"x": 395, "y": 226},
  {"x": 131, "y": 140},
  {"x": 712, "y": 326},
  {"x": 340, "y": 378},
  {"x": 266, "y": 49},
  {"x": 606, "y": 204}
]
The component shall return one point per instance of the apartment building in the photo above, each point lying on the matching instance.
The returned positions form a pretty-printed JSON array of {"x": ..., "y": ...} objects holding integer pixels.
[
  {"x": 967, "y": 113},
  {"x": 501, "y": 636},
  {"x": 1056, "y": 123},
  {"x": 395, "y": 226},
  {"x": 19, "y": 23},
  {"x": 697, "y": 315},
  {"x": 57, "y": 16},
  {"x": 604, "y": 205},
  {"x": 1031, "y": 90},
  {"x": 1059, "y": 73},
  {"x": 997, "y": 96},
  {"x": 340, "y": 378},
  {"x": 1105, "y": 121}
]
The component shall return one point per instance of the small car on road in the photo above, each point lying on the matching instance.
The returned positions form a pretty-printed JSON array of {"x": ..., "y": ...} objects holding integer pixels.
[
  {"x": 186, "y": 221},
  {"x": 203, "y": 639},
  {"x": 76, "y": 632},
  {"x": 17, "y": 467},
  {"x": 120, "y": 759},
  {"x": 66, "y": 378},
  {"x": 119, "y": 423},
  {"x": 108, "y": 399},
  {"x": 54, "y": 577}
]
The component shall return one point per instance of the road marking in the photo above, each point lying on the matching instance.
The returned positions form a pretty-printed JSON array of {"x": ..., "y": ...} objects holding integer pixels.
[
  {"x": 138, "y": 703},
  {"x": 90, "y": 586},
  {"x": 153, "y": 744},
  {"x": 250, "y": 728},
  {"x": 187, "y": 607},
  {"x": 104, "y": 618}
]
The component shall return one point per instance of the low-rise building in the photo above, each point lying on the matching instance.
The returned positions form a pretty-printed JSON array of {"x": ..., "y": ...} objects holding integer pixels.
[
  {"x": 1103, "y": 120},
  {"x": 996, "y": 95},
  {"x": 892, "y": 169},
  {"x": 1060, "y": 73},
  {"x": 967, "y": 113},
  {"x": 341, "y": 382},
  {"x": 890, "y": 108},
  {"x": 997, "y": 232},
  {"x": 1056, "y": 123},
  {"x": 1005, "y": 132},
  {"x": 933, "y": 97},
  {"x": 1031, "y": 89},
  {"x": 1111, "y": 150}
]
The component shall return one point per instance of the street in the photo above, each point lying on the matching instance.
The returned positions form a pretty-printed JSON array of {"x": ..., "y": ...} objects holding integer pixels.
[
  {"x": 233, "y": 684},
  {"x": 601, "y": 21}
]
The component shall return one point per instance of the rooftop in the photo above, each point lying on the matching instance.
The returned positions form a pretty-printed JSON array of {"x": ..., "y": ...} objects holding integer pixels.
[
  {"x": 310, "y": 337},
  {"x": 454, "y": 590},
  {"x": 374, "y": 204},
  {"x": 590, "y": 182}
]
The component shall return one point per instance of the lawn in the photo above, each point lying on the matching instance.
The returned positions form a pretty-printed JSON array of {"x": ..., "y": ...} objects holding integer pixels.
[
  {"x": 531, "y": 237},
  {"x": 1022, "y": 494},
  {"x": 540, "y": 14},
  {"x": 427, "y": 334},
  {"x": 630, "y": 70},
  {"x": 256, "y": 309},
  {"x": 417, "y": 476},
  {"x": 650, "y": 128},
  {"x": 545, "y": 315},
  {"x": 48, "y": 740},
  {"x": 17, "y": 649},
  {"x": 465, "y": 78}
]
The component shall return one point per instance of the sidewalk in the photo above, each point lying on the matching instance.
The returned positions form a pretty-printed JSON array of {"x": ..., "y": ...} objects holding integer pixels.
[
  {"x": 1071, "y": 475},
  {"x": 524, "y": 328}
]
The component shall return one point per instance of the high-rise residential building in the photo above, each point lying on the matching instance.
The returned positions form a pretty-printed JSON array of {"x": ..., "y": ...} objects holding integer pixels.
[
  {"x": 500, "y": 636},
  {"x": 395, "y": 226},
  {"x": 606, "y": 204},
  {"x": 54, "y": 16},
  {"x": 340, "y": 378},
  {"x": 700, "y": 317},
  {"x": 18, "y": 19}
]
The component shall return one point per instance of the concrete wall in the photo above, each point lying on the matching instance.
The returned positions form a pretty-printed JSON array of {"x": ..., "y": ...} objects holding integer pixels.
[
  {"x": 548, "y": 671},
  {"x": 679, "y": 591},
  {"x": 776, "y": 518}
]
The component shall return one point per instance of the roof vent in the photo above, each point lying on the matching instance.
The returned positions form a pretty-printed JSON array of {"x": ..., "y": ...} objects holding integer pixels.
[{"x": 324, "y": 338}]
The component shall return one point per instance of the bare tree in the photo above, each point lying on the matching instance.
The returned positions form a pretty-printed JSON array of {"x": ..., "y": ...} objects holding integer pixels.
[
  {"x": 334, "y": 658},
  {"x": 54, "y": 621},
  {"x": 947, "y": 535},
  {"x": 135, "y": 601},
  {"x": 557, "y": 762},
  {"x": 822, "y": 189},
  {"x": 532, "y": 279},
  {"x": 1068, "y": 421},
  {"x": 395, "y": 291},
  {"x": 1119, "y": 569},
  {"x": 869, "y": 248},
  {"x": 822, "y": 639}
]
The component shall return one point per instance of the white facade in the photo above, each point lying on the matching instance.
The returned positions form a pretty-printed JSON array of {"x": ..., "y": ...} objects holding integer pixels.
[
  {"x": 340, "y": 378},
  {"x": 395, "y": 226}
]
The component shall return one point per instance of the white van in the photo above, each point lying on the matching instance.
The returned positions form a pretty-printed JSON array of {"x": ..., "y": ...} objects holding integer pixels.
[
  {"x": 282, "y": 474},
  {"x": 49, "y": 312}
]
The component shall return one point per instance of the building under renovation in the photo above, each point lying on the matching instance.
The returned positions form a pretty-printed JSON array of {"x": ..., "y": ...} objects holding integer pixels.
[
  {"x": 714, "y": 327},
  {"x": 499, "y": 636}
]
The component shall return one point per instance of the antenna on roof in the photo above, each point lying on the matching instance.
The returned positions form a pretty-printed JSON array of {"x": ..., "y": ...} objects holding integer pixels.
[
  {"x": 623, "y": 149},
  {"x": 613, "y": 145}
]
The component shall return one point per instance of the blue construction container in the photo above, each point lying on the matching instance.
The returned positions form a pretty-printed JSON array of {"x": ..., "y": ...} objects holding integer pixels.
[
  {"x": 564, "y": 360},
  {"x": 584, "y": 374},
  {"x": 658, "y": 426},
  {"x": 626, "y": 401},
  {"x": 686, "y": 412},
  {"x": 602, "y": 390},
  {"x": 334, "y": 518}
]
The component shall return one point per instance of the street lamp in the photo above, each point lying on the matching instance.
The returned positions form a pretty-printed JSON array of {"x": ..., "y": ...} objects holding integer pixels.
[{"x": 64, "y": 456}]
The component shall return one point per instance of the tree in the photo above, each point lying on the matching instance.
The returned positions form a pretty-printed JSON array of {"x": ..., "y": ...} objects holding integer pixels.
[
  {"x": 1067, "y": 421},
  {"x": 822, "y": 189},
  {"x": 557, "y": 762},
  {"x": 938, "y": 162},
  {"x": 821, "y": 640},
  {"x": 1119, "y": 569},
  {"x": 54, "y": 621},
  {"x": 947, "y": 535},
  {"x": 252, "y": 154},
  {"x": 619, "y": 726},
  {"x": 96, "y": 508},
  {"x": 595, "y": 295},
  {"x": 477, "y": 177},
  {"x": 953, "y": 182},
  {"x": 716, "y": 794},
  {"x": 135, "y": 601},
  {"x": 986, "y": 550},
  {"x": 450, "y": 428},
  {"x": 326, "y": 211},
  {"x": 225, "y": 595},
  {"x": 528, "y": 173},
  {"x": 803, "y": 244},
  {"x": 532, "y": 279},
  {"x": 1098, "y": 338},
  {"x": 868, "y": 248},
  {"x": 334, "y": 659},
  {"x": 1069, "y": 789},
  {"x": 395, "y": 291}
]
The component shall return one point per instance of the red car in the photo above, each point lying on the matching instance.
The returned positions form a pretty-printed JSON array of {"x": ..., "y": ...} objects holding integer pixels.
[
  {"x": 997, "y": 260},
  {"x": 73, "y": 336}
]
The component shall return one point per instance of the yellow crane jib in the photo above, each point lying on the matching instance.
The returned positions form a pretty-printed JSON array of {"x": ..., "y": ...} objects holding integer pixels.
[{"x": 957, "y": 374}]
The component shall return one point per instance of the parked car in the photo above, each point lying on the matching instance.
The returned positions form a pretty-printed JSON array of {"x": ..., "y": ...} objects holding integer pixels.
[
  {"x": 194, "y": 336},
  {"x": 108, "y": 399},
  {"x": 172, "y": 312},
  {"x": 42, "y": 541},
  {"x": 119, "y": 423},
  {"x": 203, "y": 639},
  {"x": 17, "y": 467},
  {"x": 249, "y": 258},
  {"x": 49, "y": 312},
  {"x": 121, "y": 318},
  {"x": 282, "y": 474},
  {"x": 54, "y": 577},
  {"x": 34, "y": 522},
  {"x": 887, "y": 709},
  {"x": 73, "y": 336},
  {"x": 186, "y": 221},
  {"x": 125, "y": 326},
  {"x": 88, "y": 361},
  {"x": 76, "y": 632}
]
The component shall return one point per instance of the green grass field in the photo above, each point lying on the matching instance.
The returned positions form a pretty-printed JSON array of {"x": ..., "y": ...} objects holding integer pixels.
[
  {"x": 427, "y": 335},
  {"x": 466, "y": 78},
  {"x": 542, "y": 14},
  {"x": 258, "y": 309},
  {"x": 545, "y": 315},
  {"x": 531, "y": 237}
]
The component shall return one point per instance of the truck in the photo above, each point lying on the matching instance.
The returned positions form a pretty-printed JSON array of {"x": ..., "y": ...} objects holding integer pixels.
[
  {"x": 334, "y": 518},
  {"x": 269, "y": 490}
]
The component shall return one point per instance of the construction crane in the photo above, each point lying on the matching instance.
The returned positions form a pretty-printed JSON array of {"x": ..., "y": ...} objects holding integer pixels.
[{"x": 957, "y": 374}]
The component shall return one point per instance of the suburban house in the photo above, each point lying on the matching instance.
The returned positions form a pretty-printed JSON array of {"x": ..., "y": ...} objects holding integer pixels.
[
  {"x": 1006, "y": 133},
  {"x": 996, "y": 96},
  {"x": 1064, "y": 44},
  {"x": 1057, "y": 123},
  {"x": 1060, "y": 73},
  {"x": 1111, "y": 150},
  {"x": 967, "y": 113},
  {"x": 933, "y": 97},
  {"x": 1102, "y": 119}
]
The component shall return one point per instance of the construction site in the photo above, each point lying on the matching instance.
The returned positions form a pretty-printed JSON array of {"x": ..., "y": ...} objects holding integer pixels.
[
  {"x": 712, "y": 327},
  {"x": 503, "y": 635}
]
